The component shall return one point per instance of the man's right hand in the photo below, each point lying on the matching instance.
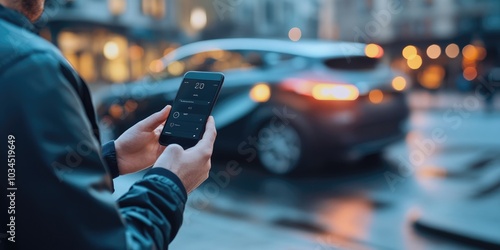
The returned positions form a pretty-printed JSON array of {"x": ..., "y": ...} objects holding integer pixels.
[{"x": 192, "y": 165}]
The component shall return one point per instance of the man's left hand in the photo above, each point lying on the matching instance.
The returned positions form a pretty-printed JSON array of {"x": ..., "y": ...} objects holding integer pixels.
[{"x": 138, "y": 147}]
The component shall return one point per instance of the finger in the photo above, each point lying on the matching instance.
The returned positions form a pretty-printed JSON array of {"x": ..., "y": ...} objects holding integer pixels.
[
  {"x": 158, "y": 130},
  {"x": 173, "y": 150},
  {"x": 208, "y": 139},
  {"x": 156, "y": 119}
]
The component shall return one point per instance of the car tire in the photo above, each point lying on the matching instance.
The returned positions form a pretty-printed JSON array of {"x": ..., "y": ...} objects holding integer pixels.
[{"x": 281, "y": 148}]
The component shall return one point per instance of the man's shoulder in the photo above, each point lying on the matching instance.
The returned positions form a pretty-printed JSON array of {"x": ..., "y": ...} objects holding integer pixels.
[{"x": 16, "y": 44}]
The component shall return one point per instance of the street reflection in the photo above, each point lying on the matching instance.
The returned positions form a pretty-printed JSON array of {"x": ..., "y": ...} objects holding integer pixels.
[
  {"x": 349, "y": 218},
  {"x": 351, "y": 206}
]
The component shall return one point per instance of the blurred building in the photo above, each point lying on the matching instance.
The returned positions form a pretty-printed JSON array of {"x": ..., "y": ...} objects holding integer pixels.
[
  {"x": 439, "y": 31},
  {"x": 113, "y": 40},
  {"x": 274, "y": 18},
  {"x": 380, "y": 21}
]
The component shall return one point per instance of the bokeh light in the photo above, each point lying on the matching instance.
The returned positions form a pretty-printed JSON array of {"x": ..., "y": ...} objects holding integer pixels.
[
  {"x": 376, "y": 96},
  {"x": 399, "y": 83},
  {"x": 295, "y": 34},
  {"x": 470, "y": 52},
  {"x": 433, "y": 51},
  {"x": 415, "y": 62},
  {"x": 432, "y": 77},
  {"x": 111, "y": 50},
  {"x": 260, "y": 92},
  {"x": 374, "y": 51},
  {"x": 198, "y": 18},
  {"x": 409, "y": 52},
  {"x": 156, "y": 66},
  {"x": 470, "y": 73},
  {"x": 176, "y": 68},
  {"x": 452, "y": 50},
  {"x": 136, "y": 52},
  {"x": 481, "y": 53}
]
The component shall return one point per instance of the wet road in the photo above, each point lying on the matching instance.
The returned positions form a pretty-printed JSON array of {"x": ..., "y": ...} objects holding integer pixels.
[{"x": 446, "y": 171}]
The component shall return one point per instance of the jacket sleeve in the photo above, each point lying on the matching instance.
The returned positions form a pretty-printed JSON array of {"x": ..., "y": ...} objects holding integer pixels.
[
  {"x": 109, "y": 155},
  {"x": 61, "y": 172}
]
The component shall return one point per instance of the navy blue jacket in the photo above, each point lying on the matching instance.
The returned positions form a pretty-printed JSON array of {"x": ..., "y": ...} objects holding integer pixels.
[{"x": 59, "y": 196}]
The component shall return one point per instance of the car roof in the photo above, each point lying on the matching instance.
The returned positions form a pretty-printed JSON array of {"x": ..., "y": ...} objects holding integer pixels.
[{"x": 306, "y": 48}]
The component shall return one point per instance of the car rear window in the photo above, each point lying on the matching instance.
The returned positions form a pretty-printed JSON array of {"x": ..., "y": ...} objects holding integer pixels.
[{"x": 352, "y": 63}]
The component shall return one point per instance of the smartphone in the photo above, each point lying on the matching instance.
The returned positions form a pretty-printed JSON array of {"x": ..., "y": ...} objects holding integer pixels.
[{"x": 191, "y": 108}]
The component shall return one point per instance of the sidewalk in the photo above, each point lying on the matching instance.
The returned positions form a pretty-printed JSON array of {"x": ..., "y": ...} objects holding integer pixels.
[{"x": 205, "y": 230}]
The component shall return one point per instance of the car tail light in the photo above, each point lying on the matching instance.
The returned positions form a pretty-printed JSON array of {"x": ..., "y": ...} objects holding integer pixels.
[{"x": 322, "y": 90}]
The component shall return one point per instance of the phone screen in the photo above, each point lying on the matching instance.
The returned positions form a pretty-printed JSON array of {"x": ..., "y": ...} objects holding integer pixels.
[{"x": 191, "y": 108}]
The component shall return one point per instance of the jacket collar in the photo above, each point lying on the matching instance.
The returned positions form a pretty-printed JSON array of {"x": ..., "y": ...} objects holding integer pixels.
[{"x": 16, "y": 18}]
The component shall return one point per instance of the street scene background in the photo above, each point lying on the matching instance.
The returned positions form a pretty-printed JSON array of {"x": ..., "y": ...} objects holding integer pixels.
[{"x": 434, "y": 185}]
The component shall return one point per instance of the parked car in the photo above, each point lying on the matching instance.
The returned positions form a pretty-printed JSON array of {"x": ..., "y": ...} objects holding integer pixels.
[{"x": 291, "y": 105}]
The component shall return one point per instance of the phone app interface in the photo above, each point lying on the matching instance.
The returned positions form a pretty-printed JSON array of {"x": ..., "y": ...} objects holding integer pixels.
[{"x": 191, "y": 108}]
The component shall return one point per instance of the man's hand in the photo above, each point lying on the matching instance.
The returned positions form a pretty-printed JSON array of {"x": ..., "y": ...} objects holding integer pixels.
[
  {"x": 192, "y": 165},
  {"x": 138, "y": 147}
]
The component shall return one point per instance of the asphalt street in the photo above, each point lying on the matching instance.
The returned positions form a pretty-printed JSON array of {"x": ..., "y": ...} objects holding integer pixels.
[{"x": 439, "y": 188}]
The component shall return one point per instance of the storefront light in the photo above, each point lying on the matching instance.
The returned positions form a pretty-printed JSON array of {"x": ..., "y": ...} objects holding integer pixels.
[
  {"x": 111, "y": 50},
  {"x": 198, "y": 18},
  {"x": 117, "y": 7}
]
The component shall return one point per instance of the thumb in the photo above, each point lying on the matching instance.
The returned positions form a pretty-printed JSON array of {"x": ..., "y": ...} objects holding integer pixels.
[{"x": 156, "y": 119}]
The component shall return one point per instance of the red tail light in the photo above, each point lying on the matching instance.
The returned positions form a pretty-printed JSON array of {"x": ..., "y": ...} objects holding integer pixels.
[{"x": 322, "y": 90}]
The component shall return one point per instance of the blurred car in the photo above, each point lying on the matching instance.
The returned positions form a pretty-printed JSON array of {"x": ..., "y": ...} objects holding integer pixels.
[{"x": 291, "y": 105}]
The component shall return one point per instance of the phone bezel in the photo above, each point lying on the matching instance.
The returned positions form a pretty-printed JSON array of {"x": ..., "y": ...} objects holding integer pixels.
[{"x": 186, "y": 143}]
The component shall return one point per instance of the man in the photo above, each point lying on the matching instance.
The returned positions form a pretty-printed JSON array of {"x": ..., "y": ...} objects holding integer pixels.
[{"x": 56, "y": 191}]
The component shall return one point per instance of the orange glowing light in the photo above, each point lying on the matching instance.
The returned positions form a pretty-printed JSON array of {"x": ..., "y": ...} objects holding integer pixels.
[
  {"x": 131, "y": 106},
  {"x": 115, "y": 110},
  {"x": 176, "y": 68},
  {"x": 427, "y": 172},
  {"x": 374, "y": 50},
  {"x": 351, "y": 218},
  {"x": 376, "y": 96},
  {"x": 156, "y": 66},
  {"x": 415, "y": 62},
  {"x": 399, "y": 83},
  {"x": 340, "y": 92},
  {"x": 432, "y": 77},
  {"x": 136, "y": 52},
  {"x": 470, "y": 52},
  {"x": 409, "y": 51},
  {"x": 481, "y": 53},
  {"x": 260, "y": 92},
  {"x": 470, "y": 73}
]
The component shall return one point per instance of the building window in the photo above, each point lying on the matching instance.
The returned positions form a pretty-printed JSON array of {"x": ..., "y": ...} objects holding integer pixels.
[
  {"x": 154, "y": 8},
  {"x": 270, "y": 14},
  {"x": 98, "y": 56},
  {"x": 117, "y": 7}
]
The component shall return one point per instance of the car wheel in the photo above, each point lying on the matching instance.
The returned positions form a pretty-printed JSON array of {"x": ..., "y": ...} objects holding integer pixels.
[{"x": 279, "y": 148}]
